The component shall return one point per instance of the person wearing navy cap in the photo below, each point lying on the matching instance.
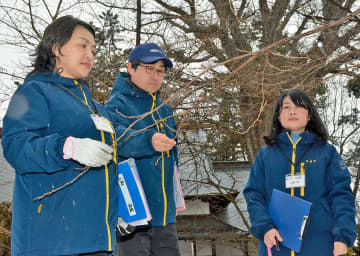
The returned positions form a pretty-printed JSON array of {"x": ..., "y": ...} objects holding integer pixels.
[
  {"x": 148, "y": 53},
  {"x": 147, "y": 132}
]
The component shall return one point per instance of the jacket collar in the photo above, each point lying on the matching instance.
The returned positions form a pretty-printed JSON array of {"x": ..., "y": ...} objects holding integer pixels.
[
  {"x": 53, "y": 77},
  {"x": 306, "y": 137},
  {"x": 125, "y": 86}
]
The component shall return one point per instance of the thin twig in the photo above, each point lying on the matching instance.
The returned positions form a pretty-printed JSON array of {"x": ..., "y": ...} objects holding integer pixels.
[{"x": 84, "y": 170}]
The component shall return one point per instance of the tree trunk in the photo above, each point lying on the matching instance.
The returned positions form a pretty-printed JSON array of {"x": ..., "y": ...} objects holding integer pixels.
[{"x": 138, "y": 22}]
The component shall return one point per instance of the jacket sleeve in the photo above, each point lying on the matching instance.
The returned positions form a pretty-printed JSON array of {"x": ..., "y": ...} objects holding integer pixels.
[
  {"x": 255, "y": 197},
  {"x": 341, "y": 200},
  {"x": 131, "y": 142},
  {"x": 27, "y": 145}
]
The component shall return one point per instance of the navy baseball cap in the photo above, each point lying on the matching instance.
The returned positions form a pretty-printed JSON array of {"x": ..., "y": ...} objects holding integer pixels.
[{"x": 149, "y": 53}]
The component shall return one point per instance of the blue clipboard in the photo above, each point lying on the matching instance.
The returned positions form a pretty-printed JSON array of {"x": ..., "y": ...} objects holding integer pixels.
[
  {"x": 290, "y": 215},
  {"x": 133, "y": 207}
]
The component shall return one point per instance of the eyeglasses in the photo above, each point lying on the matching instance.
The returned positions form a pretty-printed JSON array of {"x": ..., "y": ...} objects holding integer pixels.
[{"x": 151, "y": 70}]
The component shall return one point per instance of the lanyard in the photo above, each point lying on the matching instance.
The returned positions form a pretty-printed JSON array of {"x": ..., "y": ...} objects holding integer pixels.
[
  {"x": 298, "y": 161},
  {"x": 85, "y": 102},
  {"x": 78, "y": 98},
  {"x": 302, "y": 172}
]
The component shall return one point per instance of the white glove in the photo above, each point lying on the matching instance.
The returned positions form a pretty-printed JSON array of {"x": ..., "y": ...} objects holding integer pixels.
[
  {"x": 88, "y": 152},
  {"x": 124, "y": 228}
]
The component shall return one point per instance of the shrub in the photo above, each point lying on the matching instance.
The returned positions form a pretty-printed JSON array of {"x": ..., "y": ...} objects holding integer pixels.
[{"x": 5, "y": 224}]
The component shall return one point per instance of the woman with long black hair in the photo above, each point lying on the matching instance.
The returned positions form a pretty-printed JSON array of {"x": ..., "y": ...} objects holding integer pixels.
[{"x": 298, "y": 139}]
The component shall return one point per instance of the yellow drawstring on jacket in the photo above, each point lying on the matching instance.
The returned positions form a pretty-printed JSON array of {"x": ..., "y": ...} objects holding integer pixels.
[
  {"x": 302, "y": 172},
  {"x": 162, "y": 157},
  {"x": 293, "y": 169},
  {"x": 106, "y": 168}
]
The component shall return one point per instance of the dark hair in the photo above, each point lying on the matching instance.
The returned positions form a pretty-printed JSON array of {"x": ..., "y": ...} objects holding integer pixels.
[
  {"x": 299, "y": 98},
  {"x": 135, "y": 64},
  {"x": 57, "y": 33}
]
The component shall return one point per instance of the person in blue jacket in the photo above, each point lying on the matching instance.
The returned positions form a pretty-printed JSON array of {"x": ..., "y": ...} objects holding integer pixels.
[
  {"x": 147, "y": 131},
  {"x": 298, "y": 139},
  {"x": 58, "y": 140}
]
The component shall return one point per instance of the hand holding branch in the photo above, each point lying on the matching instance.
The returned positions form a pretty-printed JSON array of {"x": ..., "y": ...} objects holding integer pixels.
[{"x": 162, "y": 143}]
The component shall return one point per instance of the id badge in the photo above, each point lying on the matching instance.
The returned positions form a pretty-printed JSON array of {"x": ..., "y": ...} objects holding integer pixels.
[
  {"x": 102, "y": 123},
  {"x": 295, "y": 181}
]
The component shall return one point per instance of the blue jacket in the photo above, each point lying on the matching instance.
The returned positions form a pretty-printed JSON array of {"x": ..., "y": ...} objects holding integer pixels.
[
  {"x": 81, "y": 217},
  {"x": 135, "y": 142},
  {"x": 327, "y": 187}
]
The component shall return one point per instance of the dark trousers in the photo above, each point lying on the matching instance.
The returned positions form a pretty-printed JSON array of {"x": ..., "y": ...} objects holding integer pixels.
[{"x": 153, "y": 241}]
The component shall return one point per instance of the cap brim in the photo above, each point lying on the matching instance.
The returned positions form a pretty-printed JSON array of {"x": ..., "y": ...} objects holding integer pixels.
[{"x": 152, "y": 59}]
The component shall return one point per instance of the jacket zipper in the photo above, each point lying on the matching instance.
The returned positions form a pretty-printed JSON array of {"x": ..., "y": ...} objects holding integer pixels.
[
  {"x": 106, "y": 174},
  {"x": 162, "y": 160}
]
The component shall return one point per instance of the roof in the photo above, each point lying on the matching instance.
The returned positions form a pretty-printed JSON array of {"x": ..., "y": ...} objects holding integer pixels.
[
  {"x": 7, "y": 175},
  {"x": 203, "y": 178}
]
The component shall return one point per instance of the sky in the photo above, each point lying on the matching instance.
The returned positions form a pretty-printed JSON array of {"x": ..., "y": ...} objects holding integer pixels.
[{"x": 9, "y": 59}]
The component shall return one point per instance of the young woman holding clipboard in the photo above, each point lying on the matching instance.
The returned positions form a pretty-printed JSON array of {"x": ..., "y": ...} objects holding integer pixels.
[{"x": 298, "y": 139}]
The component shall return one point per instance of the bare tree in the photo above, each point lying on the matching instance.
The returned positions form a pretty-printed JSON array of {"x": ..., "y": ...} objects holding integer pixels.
[
  {"x": 233, "y": 58},
  {"x": 138, "y": 22},
  {"x": 216, "y": 42},
  {"x": 215, "y": 37},
  {"x": 229, "y": 84}
]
